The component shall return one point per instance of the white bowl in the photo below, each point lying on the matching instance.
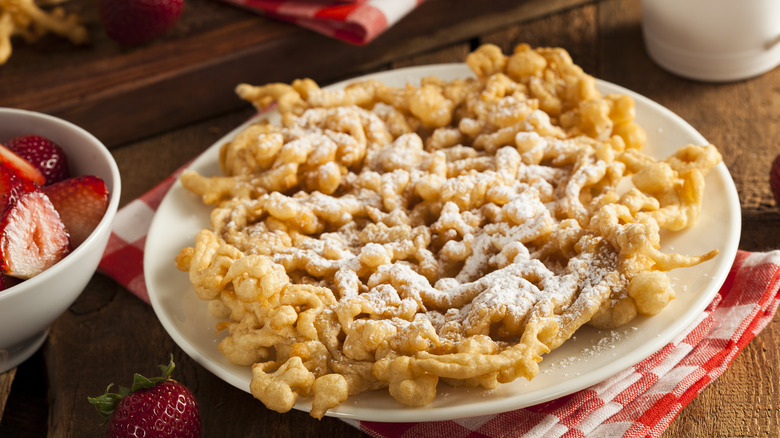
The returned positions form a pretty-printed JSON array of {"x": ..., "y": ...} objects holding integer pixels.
[{"x": 28, "y": 309}]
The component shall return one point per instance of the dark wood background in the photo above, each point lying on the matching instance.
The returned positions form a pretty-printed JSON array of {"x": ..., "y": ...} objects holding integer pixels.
[
  {"x": 122, "y": 94},
  {"x": 160, "y": 105}
]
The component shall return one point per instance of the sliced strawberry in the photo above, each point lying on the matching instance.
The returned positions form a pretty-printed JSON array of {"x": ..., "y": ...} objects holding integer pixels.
[
  {"x": 44, "y": 154},
  {"x": 22, "y": 166},
  {"x": 12, "y": 186},
  {"x": 32, "y": 236},
  {"x": 81, "y": 202}
]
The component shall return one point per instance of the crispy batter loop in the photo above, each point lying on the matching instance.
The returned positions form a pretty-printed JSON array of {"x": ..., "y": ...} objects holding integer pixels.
[{"x": 26, "y": 19}]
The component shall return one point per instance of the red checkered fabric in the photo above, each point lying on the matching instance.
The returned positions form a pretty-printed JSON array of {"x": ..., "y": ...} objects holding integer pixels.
[
  {"x": 123, "y": 259},
  {"x": 639, "y": 402},
  {"x": 354, "y": 21}
]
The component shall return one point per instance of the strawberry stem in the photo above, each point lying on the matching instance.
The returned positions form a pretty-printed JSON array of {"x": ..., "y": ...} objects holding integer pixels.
[{"x": 106, "y": 403}]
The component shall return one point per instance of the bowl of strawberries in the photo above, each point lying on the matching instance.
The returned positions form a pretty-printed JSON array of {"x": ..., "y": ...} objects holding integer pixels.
[{"x": 59, "y": 193}]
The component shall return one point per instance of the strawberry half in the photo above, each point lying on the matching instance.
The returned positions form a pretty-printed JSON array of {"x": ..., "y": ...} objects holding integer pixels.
[
  {"x": 47, "y": 156},
  {"x": 81, "y": 202},
  {"x": 12, "y": 186},
  {"x": 32, "y": 236},
  {"x": 21, "y": 166},
  {"x": 159, "y": 407}
]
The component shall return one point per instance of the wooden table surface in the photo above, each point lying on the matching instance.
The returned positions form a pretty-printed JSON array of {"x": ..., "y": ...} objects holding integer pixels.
[{"x": 108, "y": 333}]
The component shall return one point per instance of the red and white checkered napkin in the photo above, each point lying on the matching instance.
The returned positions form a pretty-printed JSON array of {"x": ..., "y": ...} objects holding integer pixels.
[
  {"x": 354, "y": 21},
  {"x": 639, "y": 402}
]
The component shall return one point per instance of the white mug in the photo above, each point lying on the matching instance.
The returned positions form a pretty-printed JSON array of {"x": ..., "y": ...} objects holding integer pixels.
[{"x": 713, "y": 40}]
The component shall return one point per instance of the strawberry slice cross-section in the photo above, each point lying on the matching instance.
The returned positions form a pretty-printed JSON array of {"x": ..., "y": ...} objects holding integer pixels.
[{"x": 32, "y": 236}]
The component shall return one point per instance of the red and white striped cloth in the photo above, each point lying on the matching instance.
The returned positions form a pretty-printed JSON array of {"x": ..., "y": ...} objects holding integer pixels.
[
  {"x": 639, "y": 402},
  {"x": 354, "y": 21}
]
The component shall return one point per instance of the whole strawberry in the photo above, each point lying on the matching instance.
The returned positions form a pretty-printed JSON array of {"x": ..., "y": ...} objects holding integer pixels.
[
  {"x": 158, "y": 407},
  {"x": 47, "y": 156},
  {"x": 133, "y": 22}
]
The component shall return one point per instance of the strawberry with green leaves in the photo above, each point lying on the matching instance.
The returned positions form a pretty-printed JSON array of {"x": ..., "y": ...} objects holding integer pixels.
[{"x": 159, "y": 407}]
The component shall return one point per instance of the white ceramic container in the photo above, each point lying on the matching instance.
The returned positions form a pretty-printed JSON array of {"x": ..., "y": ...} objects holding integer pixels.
[
  {"x": 713, "y": 40},
  {"x": 28, "y": 309}
]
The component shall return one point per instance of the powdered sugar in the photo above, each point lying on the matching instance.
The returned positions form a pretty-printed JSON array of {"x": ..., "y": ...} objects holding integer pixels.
[{"x": 476, "y": 255}]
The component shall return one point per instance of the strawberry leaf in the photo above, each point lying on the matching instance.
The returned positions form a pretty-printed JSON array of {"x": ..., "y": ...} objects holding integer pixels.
[
  {"x": 140, "y": 382},
  {"x": 167, "y": 370},
  {"x": 107, "y": 402}
]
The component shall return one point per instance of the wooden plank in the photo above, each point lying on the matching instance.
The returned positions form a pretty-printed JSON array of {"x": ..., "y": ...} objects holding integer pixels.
[{"x": 189, "y": 74}]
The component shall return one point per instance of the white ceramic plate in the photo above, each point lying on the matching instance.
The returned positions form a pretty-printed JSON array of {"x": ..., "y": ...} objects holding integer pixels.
[{"x": 588, "y": 358}]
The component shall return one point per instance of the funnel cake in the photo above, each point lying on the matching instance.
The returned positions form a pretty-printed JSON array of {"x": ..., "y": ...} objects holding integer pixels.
[{"x": 451, "y": 231}]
